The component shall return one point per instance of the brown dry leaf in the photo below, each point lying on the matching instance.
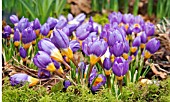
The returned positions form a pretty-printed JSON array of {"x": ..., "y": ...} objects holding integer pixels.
[{"x": 163, "y": 75}]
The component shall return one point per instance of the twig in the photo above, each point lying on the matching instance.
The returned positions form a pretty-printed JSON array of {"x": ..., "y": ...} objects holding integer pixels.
[{"x": 161, "y": 69}]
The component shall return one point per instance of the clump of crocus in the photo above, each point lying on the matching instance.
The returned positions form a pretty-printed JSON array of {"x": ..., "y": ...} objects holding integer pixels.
[
  {"x": 66, "y": 84},
  {"x": 22, "y": 78}
]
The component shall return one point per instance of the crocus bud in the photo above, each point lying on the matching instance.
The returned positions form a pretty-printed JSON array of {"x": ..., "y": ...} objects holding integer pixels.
[
  {"x": 61, "y": 41},
  {"x": 52, "y": 22},
  {"x": 117, "y": 48},
  {"x": 69, "y": 17},
  {"x": 23, "y": 53},
  {"x": 149, "y": 29},
  {"x": 42, "y": 73},
  {"x": 47, "y": 46},
  {"x": 45, "y": 28},
  {"x": 115, "y": 17},
  {"x": 14, "y": 19},
  {"x": 23, "y": 24},
  {"x": 126, "y": 50},
  {"x": 16, "y": 38},
  {"x": 66, "y": 84},
  {"x": 151, "y": 47},
  {"x": 136, "y": 43},
  {"x": 107, "y": 65},
  {"x": 27, "y": 37},
  {"x": 89, "y": 48},
  {"x": 114, "y": 36},
  {"x": 7, "y": 29},
  {"x": 143, "y": 40},
  {"x": 21, "y": 79},
  {"x": 120, "y": 66},
  {"x": 36, "y": 24},
  {"x": 42, "y": 60},
  {"x": 61, "y": 23},
  {"x": 74, "y": 45}
]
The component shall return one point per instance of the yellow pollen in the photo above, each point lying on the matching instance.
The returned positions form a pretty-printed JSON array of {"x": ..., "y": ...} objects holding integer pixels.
[
  {"x": 126, "y": 27},
  {"x": 125, "y": 56},
  {"x": 136, "y": 25},
  {"x": 16, "y": 43}
]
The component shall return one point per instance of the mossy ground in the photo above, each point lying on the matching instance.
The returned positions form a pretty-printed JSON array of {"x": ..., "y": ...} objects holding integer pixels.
[{"x": 131, "y": 93}]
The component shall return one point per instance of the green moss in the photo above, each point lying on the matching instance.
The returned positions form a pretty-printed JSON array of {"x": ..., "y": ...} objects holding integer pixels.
[
  {"x": 80, "y": 93},
  {"x": 101, "y": 19}
]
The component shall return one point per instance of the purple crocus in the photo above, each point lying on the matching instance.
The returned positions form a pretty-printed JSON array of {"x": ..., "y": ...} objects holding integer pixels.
[
  {"x": 151, "y": 47},
  {"x": 66, "y": 84},
  {"x": 117, "y": 49},
  {"x": 23, "y": 24},
  {"x": 58, "y": 67},
  {"x": 52, "y": 22},
  {"x": 127, "y": 18},
  {"x": 47, "y": 46},
  {"x": 143, "y": 40},
  {"x": 42, "y": 73},
  {"x": 114, "y": 36},
  {"x": 96, "y": 80},
  {"x": 16, "y": 37},
  {"x": 61, "y": 22},
  {"x": 8, "y": 29},
  {"x": 120, "y": 66},
  {"x": 94, "y": 48},
  {"x": 149, "y": 29},
  {"x": 107, "y": 65},
  {"x": 22, "y": 78},
  {"x": 115, "y": 17},
  {"x": 126, "y": 49},
  {"x": 136, "y": 43},
  {"x": 43, "y": 61},
  {"x": 74, "y": 45},
  {"x": 83, "y": 31},
  {"x": 14, "y": 19},
  {"x": 36, "y": 24},
  {"x": 28, "y": 35},
  {"x": 70, "y": 17},
  {"x": 61, "y": 41},
  {"x": 23, "y": 53},
  {"x": 45, "y": 28}
]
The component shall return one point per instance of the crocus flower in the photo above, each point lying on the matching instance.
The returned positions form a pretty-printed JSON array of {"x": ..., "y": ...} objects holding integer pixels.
[
  {"x": 23, "y": 24},
  {"x": 151, "y": 47},
  {"x": 114, "y": 36},
  {"x": 21, "y": 79},
  {"x": 14, "y": 19},
  {"x": 27, "y": 37},
  {"x": 120, "y": 66},
  {"x": 94, "y": 48},
  {"x": 107, "y": 65},
  {"x": 126, "y": 50},
  {"x": 96, "y": 81},
  {"x": 42, "y": 60},
  {"x": 5, "y": 35},
  {"x": 61, "y": 41},
  {"x": 143, "y": 39},
  {"x": 136, "y": 43},
  {"x": 61, "y": 22},
  {"x": 23, "y": 53},
  {"x": 36, "y": 24},
  {"x": 45, "y": 28},
  {"x": 78, "y": 19},
  {"x": 66, "y": 84},
  {"x": 74, "y": 45},
  {"x": 47, "y": 46},
  {"x": 115, "y": 17},
  {"x": 7, "y": 29},
  {"x": 42, "y": 73},
  {"x": 52, "y": 22},
  {"x": 16, "y": 38},
  {"x": 149, "y": 29},
  {"x": 117, "y": 49},
  {"x": 127, "y": 18},
  {"x": 83, "y": 31}
]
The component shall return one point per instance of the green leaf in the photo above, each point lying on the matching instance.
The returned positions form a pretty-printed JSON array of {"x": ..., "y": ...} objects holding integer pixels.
[
  {"x": 29, "y": 8},
  {"x": 58, "y": 87}
]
